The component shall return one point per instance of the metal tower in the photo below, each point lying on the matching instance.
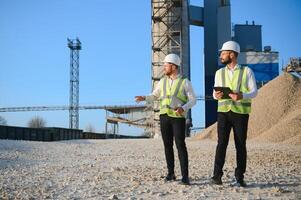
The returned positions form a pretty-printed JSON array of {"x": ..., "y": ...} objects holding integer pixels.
[
  {"x": 75, "y": 46},
  {"x": 170, "y": 34}
]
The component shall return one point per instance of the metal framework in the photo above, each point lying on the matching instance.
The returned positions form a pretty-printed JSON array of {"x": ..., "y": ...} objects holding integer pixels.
[
  {"x": 74, "y": 46},
  {"x": 168, "y": 36},
  {"x": 133, "y": 115},
  {"x": 116, "y": 109},
  {"x": 166, "y": 33},
  {"x": 294, "y": 65}
]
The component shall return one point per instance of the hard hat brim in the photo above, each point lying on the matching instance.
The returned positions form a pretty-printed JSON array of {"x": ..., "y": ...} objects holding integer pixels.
[{"x": 228, "y": 50}]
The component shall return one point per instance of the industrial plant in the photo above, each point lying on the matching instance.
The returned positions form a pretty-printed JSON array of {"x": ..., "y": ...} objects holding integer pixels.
[
  {"x": 137, "y": 79},
  {"x": 170, "y": 23}
]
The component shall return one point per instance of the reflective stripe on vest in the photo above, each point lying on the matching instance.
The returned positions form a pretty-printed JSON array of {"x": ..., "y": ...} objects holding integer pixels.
[
  {"x": 173, "y": 97},
  {"x": 238, "y": 84}
]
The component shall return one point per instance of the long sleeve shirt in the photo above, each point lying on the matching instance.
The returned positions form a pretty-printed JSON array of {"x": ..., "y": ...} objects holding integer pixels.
[
  {"x": 250, "y": 79},
  {"x": 187, "y": 89}
]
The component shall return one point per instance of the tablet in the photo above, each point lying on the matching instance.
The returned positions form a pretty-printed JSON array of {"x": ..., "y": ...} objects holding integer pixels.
[{"x": 225, "y": 90}]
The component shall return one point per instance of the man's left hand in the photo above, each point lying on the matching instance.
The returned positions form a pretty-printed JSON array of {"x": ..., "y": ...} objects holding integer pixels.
[{"x": 236, "y": 96}]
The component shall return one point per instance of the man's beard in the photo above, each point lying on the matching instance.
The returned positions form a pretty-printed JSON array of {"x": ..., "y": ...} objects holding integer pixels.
[
  {"x": 226, "y": 62},
  {"x": 168, "y": 73}
]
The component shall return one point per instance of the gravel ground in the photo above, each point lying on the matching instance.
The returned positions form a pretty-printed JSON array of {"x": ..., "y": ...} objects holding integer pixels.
[{"x": 133, "y": 169}]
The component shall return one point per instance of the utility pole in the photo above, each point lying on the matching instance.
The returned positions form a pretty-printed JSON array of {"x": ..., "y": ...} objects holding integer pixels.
[{"x": 74, "y": 46}]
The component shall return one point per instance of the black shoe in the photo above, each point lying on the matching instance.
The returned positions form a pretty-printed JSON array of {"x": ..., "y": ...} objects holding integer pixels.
[
  {"x": 185, "y": 181},
  {"x": 170, "y": 177},
  {"x": 216, "y": 180},
  {"x": 241, "y": 183}
]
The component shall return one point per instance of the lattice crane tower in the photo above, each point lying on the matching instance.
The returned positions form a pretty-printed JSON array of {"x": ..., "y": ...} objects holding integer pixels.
[
  {"x": 170, "y": 34},
  {"x": 74, "y": 46}
]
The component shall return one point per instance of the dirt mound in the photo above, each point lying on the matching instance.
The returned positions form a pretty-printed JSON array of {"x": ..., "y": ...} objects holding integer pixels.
[
  {"x": 208, "y": 133},
  {"x": 286, "y": 128},
  {"x": 274, "y": 102},
  {"x": 276, "y": 112}
]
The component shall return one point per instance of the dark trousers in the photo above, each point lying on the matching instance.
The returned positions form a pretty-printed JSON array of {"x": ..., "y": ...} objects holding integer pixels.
[
  {"x": 174, "y": 128},
  {"x": 239, "y": 123}
]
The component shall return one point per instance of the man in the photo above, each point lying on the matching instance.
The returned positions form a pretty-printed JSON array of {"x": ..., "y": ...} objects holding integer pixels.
[
  {"x": 176, "y": 98},
  {"x": 233, "y": 111}
]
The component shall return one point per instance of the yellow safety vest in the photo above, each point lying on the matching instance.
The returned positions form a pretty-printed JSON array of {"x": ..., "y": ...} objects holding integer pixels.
[
  {"x": 174, "y": 97},
  {"x": 237, "y": 84}
]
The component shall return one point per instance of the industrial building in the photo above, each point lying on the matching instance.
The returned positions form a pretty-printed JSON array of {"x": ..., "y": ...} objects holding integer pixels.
[
  {"x": 263, "y": 62},
  {"x": 170, "y": 34},
  {"x": 170, "y": 21}
]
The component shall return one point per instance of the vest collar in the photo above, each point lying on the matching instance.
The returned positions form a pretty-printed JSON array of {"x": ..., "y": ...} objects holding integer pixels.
[
  {"x": 178, "y": 76},
  {"x": 236, "y": 67}
]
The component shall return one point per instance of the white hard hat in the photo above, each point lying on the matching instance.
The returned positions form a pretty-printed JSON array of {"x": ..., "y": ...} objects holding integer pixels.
[
  {"x": 173, "y": 58},
  {"x": 230, "y": 46}
]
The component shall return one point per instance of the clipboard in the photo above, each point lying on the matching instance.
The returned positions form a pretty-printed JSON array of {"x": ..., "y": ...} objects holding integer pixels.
[{"x": 225, "y": 90}]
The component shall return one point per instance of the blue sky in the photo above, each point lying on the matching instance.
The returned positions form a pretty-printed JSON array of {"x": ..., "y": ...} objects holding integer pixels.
[{"x": 115, "y": 59}]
